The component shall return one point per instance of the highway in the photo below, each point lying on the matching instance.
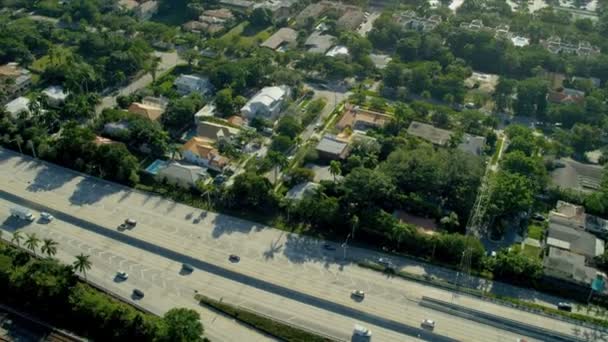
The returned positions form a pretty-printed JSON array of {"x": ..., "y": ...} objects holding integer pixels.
[{"x": 281, "y": 275}]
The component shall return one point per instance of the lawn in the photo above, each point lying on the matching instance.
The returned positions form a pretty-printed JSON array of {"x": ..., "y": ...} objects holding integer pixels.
[
  {"x": 243, "y": 35},
  {"x": 529, "y": 251},
  {"x": 535, "y": 232}
]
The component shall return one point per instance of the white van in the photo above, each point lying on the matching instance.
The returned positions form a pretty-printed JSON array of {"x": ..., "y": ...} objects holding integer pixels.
[
  {"x": 362, "y": 331},
  {"x": 22, "y": 213}
]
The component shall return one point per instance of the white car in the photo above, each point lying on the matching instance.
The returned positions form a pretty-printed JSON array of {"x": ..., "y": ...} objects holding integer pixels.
[
  {"x": 428, "y": 324},
  {"x": 46, "y": 216},
  {"x": 362, "y": 331},
  {"x": 358, "y": 293}
]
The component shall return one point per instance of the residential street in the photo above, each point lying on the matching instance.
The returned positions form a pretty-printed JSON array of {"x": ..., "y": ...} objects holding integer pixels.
[{"x": 282, "y": 275}]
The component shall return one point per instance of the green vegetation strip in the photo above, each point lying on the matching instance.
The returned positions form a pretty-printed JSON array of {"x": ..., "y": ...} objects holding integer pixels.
[
  {"x": 497, "y": 152},
  {"x": 503, "y": 300},
  {"x": 267, "y": 325}
]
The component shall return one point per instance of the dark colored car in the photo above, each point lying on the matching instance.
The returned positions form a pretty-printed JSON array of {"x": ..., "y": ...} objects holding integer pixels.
[
  {"x": 564, "y": 307},
  {"x": 234, "y": 258},
  {"x": 138, "y": 293},
  {"x": 188, "y": 268}
]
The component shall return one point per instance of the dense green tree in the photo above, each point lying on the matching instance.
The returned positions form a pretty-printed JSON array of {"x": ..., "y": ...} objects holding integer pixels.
[
  {"x": 179, "y": 112},
  {"x": 224, "y": 102},
  {"x": 183, "y": 325},
  {"x": 250, "y": 190},
  {"x": 281, "y": 143},
  {"x": 260, "y": 17},
  {"x": 511, "y": 193},
  {"x": 289, "y": 126},
  {"x": 82, "y": 264}
]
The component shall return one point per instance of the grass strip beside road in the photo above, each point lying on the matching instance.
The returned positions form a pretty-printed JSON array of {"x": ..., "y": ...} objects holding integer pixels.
[
  {"x": 272, "y": 327},
  {"x": 498, "y": 299}
]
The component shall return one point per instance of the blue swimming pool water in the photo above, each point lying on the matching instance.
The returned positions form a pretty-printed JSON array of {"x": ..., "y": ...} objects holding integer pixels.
[{"x": 155, "y": 166}]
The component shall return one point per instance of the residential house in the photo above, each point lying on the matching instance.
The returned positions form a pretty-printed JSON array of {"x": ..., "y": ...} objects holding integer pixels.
[
  {"x": 574, "y": 175},
  {"x": 146, "y": 10},
  {"x": 332, "y": 148},
  {"x": 211, "y": 21},
  {"x": 338, "y": 50},
  {"x": 312, "y": 12},
  {"x": 116, "y": 128},
  {"x": 441, "y": 137},
  {"x": 519, "y": 41},
  {"x": 566, "y": 96},
  {"x": 318, "y": 42},
  {"x": 55, "y": 95},
  {"x": 474, "y": 25},
  {"x": 199, "y": 151},
  {"x": 207, "y": 111},
  {"x": 182, "y": 175},
  {"x": 14, "y": 80},
  {"x": 128, "y": 4},
  {"x": 18, "y": 106},
  {"x": 243, "y": 6},
  {"x": 567, "y": 266},
  {"x": 570, "y": 248},
  {"x": 187, "y": 84},
  {"x": 380, "y": 61},
  {"x": 299, "y": 191},
  {"x": 556, "y": 44},
  {"x": 266, "y": 103},
  {"x": 360, "y": 119},
  {"x": 280, "y": 9},
  {"x": 212, "y": 131},
  {"x": 411, "y": 21},
  {"x": 150, "y": 108},
  {"x": 562, "y": 236},
  {"x": 99, "y": 141},
  {"x": 280, "y": 39},
  {"x": 351, "y": 19}
]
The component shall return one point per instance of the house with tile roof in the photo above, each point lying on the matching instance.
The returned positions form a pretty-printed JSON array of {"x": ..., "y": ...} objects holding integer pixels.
[{"x": 201, "y": 152}]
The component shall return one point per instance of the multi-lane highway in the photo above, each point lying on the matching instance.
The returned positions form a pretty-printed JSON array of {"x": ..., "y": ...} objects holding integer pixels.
[{"x": 285, "y": 276}]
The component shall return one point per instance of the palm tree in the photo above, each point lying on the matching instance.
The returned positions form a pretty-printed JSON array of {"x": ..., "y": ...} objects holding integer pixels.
[
  {"x": 82, "y": 264},
  {"x": 49, "y": 247},
  {"x": 334, "y": 169},
  {"x": 19, "y": 140},
  {"x": 32, "y": 242},
  {"x": 152, "y": 67},
  {"x": 17, "y": 237}
]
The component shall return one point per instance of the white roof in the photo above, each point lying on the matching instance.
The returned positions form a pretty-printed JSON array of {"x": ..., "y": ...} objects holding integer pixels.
[
  {"x": 338, "y": 50},
  {"x": 188, "y": 173},
  {"x": 17, "y": 105},
  {"x": 55, "y": 93},
  {"x": 207, "y": 110},
  {"x": 267, "y": 96},
  {"x": 558, "y": 243},
  {"x": 520, "y": 41}
]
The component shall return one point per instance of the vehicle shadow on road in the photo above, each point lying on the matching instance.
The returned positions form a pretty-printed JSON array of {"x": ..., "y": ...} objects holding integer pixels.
[
  {"x": 11, "y": 224},
  {"x": 49, "y": 180},
  {"x": 89, "y": 191}
]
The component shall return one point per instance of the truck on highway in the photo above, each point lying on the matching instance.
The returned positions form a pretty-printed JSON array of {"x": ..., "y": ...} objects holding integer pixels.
[{"x": 22, "y": 213}]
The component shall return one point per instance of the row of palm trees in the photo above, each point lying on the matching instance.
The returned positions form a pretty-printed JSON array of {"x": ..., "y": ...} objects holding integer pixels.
[{"x": 49, "y": 247}]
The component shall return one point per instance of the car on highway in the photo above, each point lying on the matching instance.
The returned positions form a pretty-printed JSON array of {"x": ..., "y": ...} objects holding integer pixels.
[
  {"x": 385, "y": 262},
  {"x": 362, "y": 331},
  {"x": 428, "y": 324},
  {"x": 358, "y": 294},
  {"x": 138, "y": 294},
  {"x": 46, "y": 216},
  {"x": 187, "y": 268},
  {"x": 123, "y": 226},
  {"x": 122, "y": 275},
  {"x": 234, "y": 258},
  {"x": 130, "y": 222},
  {"x": 329, "y": 247},
  {"x": 564, "y": 306}
]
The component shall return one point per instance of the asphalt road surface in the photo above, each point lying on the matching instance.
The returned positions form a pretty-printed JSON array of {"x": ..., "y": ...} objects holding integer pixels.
[{"x": 281, "y": 275}]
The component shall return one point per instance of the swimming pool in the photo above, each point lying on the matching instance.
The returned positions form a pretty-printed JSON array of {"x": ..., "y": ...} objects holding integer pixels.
[{"x": 156, "y": 166}]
